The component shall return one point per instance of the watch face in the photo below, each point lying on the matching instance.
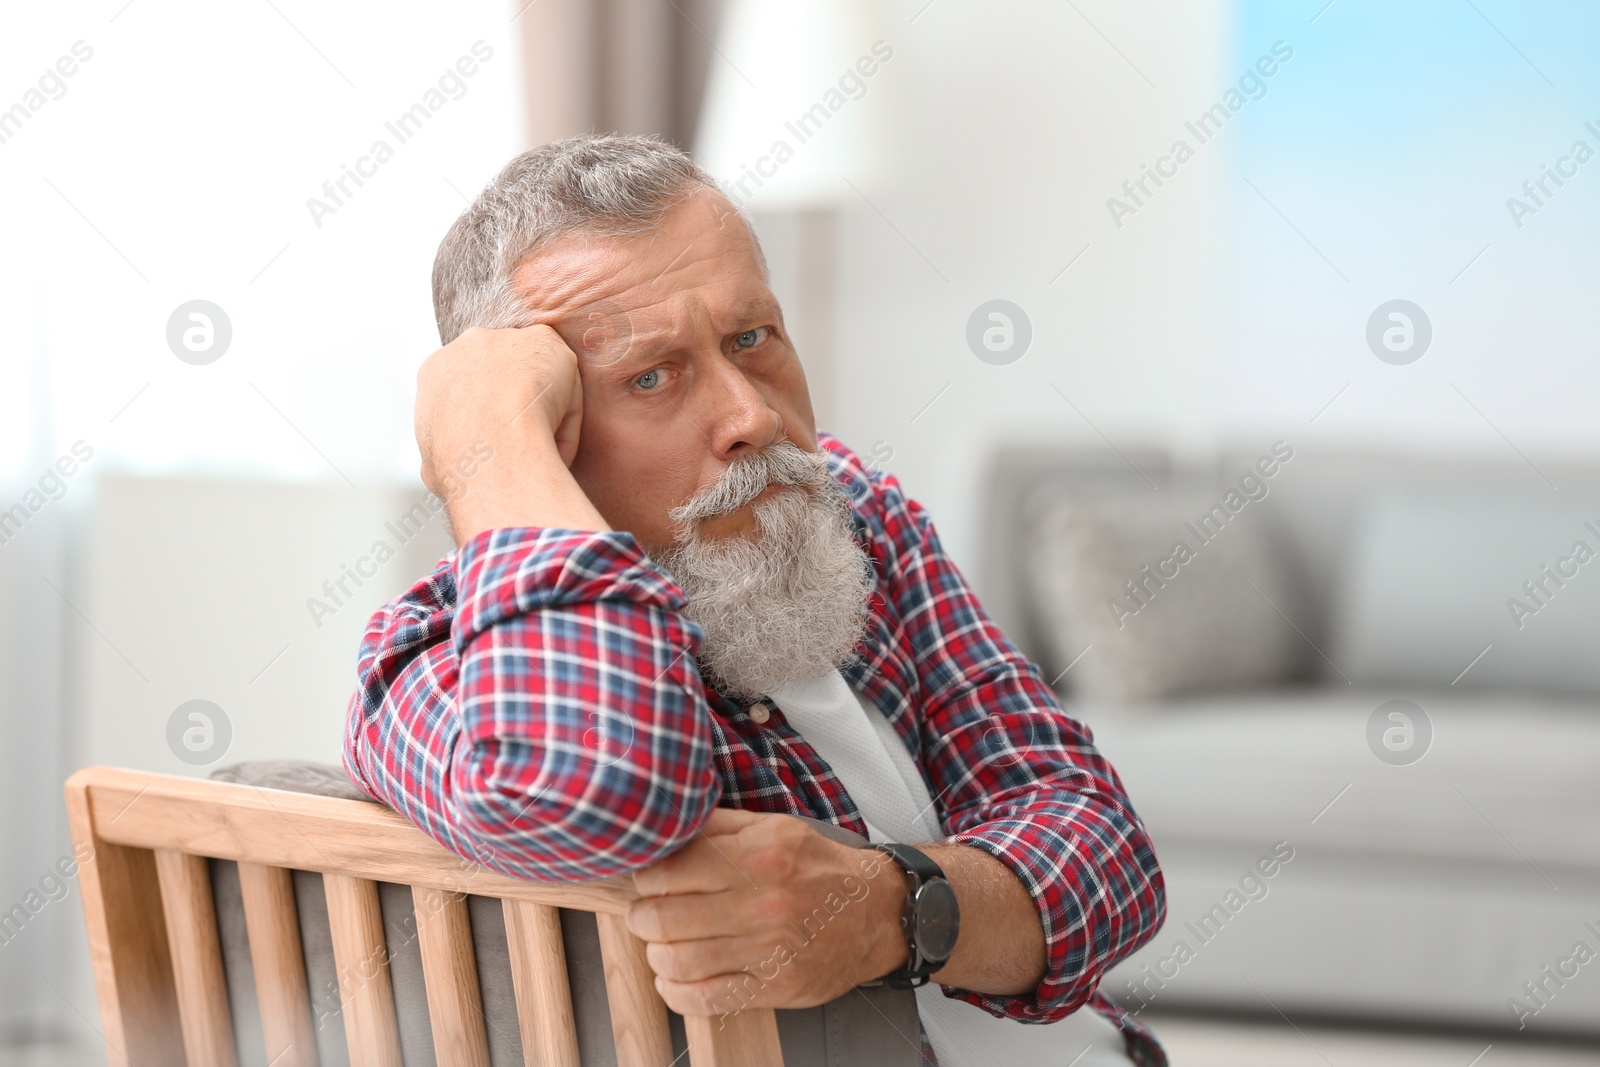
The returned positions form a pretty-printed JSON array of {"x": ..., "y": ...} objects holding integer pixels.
[{"x": 938, "y": 920}]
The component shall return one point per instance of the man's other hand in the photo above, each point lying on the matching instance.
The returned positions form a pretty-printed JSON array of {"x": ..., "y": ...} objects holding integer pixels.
[
  {"x": 498, "y": 419},
  {"x": 760, "y": 910}
]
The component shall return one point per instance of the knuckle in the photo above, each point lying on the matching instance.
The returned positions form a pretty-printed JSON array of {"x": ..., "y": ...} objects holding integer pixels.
[
  {"x": 677, "y": 998},
  {"x": 665, "y": 960},
  {"x": 644, "y": 920},
  {"x": 679, "y": 961},
  {"x": 701, "y": 998},
  {"x": 656, "y": 879},
  {"x": 724, "y": 1001},
  {"x": 788, "y": 829},
  {"x": 429, "y": 371},
  {"x": 671, "y": 993},
  {"x": 774, "y": 907},
  {"x": 777, "y": 860}
]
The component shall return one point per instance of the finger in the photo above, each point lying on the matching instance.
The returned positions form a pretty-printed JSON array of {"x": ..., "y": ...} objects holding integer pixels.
[
  {"x": 704, "y": 865},
  {"x": 692, "y": 916},
  {"x": 726, "y": 994},
  {"x": 723, "y": 995},
  {"x": 702, "y": 960},
  {"x": 570, "y": 431}
]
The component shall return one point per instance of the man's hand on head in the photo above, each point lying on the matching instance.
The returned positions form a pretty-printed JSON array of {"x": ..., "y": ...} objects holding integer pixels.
[
  {"x": 498, "y": 419},
  {"x": 760, "y": 910}
]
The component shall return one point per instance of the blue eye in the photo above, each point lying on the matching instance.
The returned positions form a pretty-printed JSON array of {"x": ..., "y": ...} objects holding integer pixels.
[
  {"x": 653, "y": 375},
  {"x": 751, "y": 338}
]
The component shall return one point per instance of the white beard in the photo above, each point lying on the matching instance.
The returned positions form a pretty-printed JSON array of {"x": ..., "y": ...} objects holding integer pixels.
[{"x": 786, "y": 602}]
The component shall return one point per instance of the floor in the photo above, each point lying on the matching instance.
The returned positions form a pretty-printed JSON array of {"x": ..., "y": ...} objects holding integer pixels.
[
  {"x": 1192, "y": 1042},
  {"x": 49, "y": 1056}
]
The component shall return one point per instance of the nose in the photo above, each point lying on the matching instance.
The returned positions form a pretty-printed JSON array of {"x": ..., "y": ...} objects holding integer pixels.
[{"x": 742, "y": 420}]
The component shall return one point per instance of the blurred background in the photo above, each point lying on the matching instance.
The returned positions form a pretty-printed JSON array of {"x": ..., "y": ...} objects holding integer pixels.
[{"x": 1305, "y": 287}]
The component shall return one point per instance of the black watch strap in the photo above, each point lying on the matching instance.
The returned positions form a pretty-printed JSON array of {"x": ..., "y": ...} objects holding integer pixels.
[{"x": 928, "y": 878}]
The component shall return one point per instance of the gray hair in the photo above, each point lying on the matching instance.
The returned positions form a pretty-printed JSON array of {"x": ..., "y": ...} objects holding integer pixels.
[{"x": 610, "y": 185}]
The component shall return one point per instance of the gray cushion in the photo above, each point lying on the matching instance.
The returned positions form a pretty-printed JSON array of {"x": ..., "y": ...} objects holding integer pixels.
[
  {"x": 1211, "y": 600},
  {"x": 1417, "y": 892},
  {"x": 1437, "y": 576},
  {"x": 865, "y": 1026},
  {"x": 1250, "y": 768},
  {"x": 294, "y": 776}
]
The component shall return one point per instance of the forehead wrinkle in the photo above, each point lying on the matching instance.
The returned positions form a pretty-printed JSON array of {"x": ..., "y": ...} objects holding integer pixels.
[
  {"x": 561, "y": 282},
  {"x": 559, "y": 279},
  {"x": 675, "y": 327},
  {"x": 575, "y": 273},
  {"x": 662, "y": 320}
]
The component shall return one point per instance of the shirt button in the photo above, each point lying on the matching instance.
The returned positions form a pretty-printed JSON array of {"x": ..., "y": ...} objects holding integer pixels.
[{"x": 759, "y": 714}]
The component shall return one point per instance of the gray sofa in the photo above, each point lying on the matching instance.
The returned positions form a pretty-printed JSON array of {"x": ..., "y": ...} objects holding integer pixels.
[{"x": 1328, "y": 851}]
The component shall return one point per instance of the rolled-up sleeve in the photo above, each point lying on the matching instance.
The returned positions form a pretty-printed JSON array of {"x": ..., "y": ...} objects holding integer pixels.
[
  {"x": 1020, "y": 779},
  {"x": 536, "y": 707}
]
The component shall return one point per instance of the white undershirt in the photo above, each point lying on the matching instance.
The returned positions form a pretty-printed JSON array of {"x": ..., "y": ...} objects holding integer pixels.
[{"x": 875, "y": 768}]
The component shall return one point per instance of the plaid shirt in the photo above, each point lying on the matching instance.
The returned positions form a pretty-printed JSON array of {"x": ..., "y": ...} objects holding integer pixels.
[{"x": 536, "y": 705}]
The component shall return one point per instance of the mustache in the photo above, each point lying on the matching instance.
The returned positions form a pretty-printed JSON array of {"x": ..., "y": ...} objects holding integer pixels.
[{"x": 784, "y": 463}]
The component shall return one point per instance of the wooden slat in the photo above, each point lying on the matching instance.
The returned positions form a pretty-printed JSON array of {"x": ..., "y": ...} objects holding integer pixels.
[
  {"x": 365, "y": 995},
  {"x": 309, "y": 833},
  {"x": 638, "y": 1014},
  {"x": 272, "y": 920},
  {"x": 539, "y": 976},
  {"x": 202, "y": 987},
  {"x": 127, "y": 937},
  {"x": 747, "y": 1038},
  {"x": 450, "y": 975}
]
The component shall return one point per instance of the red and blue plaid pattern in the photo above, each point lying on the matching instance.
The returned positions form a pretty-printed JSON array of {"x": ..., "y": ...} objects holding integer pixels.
[{"x": 537, "y": 706}]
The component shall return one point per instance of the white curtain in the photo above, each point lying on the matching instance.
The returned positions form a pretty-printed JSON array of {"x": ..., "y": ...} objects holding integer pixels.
[
  {"x": 157, "y": 154},
  {"x": 153, "y": 155},
  {"x": 36, "y": 907}
]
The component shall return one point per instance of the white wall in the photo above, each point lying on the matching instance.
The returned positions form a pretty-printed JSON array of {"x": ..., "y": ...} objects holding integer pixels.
[
  {"x": 1232, "y": 308},
  {"x": 1011, "y": 125},
  {"x": 175, "y": 162},
  {"x": 252, "y": 596},
  {"x": 203, "y": 589}
]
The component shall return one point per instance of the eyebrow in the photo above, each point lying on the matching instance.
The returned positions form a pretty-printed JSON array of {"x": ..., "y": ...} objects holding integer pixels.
[
  {"x": 641, "y": 357},
  {"x": 637, "y": 361}
]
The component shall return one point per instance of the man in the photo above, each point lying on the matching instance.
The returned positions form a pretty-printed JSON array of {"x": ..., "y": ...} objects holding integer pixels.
[{"x": 662, "y": 568}]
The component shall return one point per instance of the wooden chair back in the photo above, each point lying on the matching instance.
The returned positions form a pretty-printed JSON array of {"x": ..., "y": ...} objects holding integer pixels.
[{"x": 144, "y": 840}]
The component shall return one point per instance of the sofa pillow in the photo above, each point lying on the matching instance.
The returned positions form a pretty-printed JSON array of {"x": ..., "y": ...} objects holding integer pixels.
[
  {"x": 294, "y": 776},
  {"x": 1473, "y": 588},
  {"x": 1170, "y": 593}
]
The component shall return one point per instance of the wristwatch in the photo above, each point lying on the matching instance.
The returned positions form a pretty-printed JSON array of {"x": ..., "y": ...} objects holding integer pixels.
[{"x": 931, "y": 919}]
